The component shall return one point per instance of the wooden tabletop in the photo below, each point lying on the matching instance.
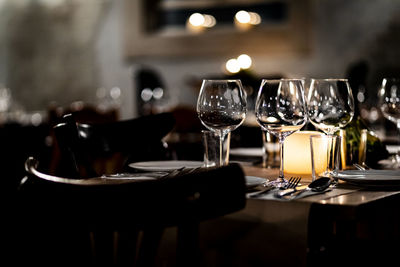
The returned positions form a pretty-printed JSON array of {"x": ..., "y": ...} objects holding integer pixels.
[
  {"x": 343, "y": 194},
  {"x": 273, "y": 232}
]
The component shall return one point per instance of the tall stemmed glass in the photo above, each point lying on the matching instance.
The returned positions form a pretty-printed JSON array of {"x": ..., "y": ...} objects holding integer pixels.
[
  {"x": 389, "y": 101},
  {"x": 280, "y": 110},
  {"x": 330, "y": 104},
  {"x": 221, "y": 107}
]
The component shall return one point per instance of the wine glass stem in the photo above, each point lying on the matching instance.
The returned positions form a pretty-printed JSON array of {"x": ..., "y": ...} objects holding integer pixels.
[
  {"x": 281, "y": 169},
  {"x": 329, "y": 156},
  {"x": 398, "y": 151},
  {"x": 221, "y": 148}
]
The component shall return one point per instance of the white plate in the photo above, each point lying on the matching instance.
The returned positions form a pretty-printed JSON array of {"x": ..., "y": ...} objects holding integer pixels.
[
  {"x": 372, "y": 178},
  {"x": 168, "y": 165},
  {"x": 246, "y": 151},
  {"x": 392, "y": 149},
  {"x": 389, "y": 163},
  {"x": 253, "y": 181},
  {"x": 135, "y": 176}
]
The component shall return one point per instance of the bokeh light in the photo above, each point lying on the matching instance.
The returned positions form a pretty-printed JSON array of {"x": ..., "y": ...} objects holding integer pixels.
[
  {"x": 199, "y": 22},
  {"x": 244, "y": 61},
  {"x": 232, "y": 65},
  {"x": 242, "y": 16},
  {"x": 196, "y": 19}
]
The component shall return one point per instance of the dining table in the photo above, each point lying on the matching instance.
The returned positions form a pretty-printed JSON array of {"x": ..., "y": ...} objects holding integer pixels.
[{"x": 346, "y": 225}]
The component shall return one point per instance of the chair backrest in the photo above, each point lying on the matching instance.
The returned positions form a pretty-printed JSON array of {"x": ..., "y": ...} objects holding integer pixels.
[
  {"x": 181, "y": 200},
  {"x": 89, "y": 150}
]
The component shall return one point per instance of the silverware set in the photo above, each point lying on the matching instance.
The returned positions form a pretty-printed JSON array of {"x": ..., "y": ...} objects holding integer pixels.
[
  {"x": 292, "y": 189},
  {"x": 292, "y": 183},
  {"x": 151, "y": 175}
]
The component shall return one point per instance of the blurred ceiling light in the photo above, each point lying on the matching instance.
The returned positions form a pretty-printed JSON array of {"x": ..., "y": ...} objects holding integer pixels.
[
  {"x": 199, "y": 22},
  {"x": 158, "y": 93},
  {"x": 242, "y": 16},
  {"x": 255, "y": 18},
  {"x": 196, "y": 19},
  {"x": 209, "y": 21},
  {"x": 146, "y": 94},
  {"x": 245, "y": 20},
  {"x": 115, "y": 92},
  {"x": 232, "y": 65},
  {"x": 244, "y": 61}
]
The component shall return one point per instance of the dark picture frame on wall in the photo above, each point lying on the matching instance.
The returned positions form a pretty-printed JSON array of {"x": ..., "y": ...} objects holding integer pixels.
[{"x": 155, "y": 28}]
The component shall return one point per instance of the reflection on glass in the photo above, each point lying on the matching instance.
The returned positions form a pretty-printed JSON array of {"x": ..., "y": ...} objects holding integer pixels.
[
  {"x": 389, "y": 101},
  {"x": 330, "y": 104},
  {"x": 280, "y": 110},
  {"x": 221, "y": 107}
]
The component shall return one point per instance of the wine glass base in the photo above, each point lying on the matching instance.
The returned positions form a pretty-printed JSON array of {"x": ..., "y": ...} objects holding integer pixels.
[{"x": 393, "y": 162}]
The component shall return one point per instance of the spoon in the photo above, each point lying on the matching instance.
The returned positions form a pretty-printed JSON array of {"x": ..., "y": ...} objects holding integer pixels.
[{"x": 318, "y": 185}]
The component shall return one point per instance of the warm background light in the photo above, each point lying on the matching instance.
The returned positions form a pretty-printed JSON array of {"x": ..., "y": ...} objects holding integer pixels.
[
  {"x": 232, "y": 65},
  {"x": 255, "y": 19},
  {"x": 196, "y": 19},
  {"x": 242, "y": 62},
  {"x": 245, "y": 20},
  {"x": 199, "y": 22},
  {"x": 297, "y": 153},
  {"x": 242, "y": 16},
  {"x": 209, "y": 21}
]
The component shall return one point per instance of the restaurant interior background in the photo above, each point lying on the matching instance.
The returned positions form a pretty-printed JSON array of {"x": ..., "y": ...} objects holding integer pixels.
[
  {"x": 142, "y": 57},
  {"x": 61, "y": 51}
]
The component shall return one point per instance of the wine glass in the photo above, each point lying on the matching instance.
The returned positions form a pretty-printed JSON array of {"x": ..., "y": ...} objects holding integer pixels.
[
  {"x": 221, "y": 107},
  {"x": 330, "y": 104},
  {"x": 280, "y": 110},
  {"x": 389, "y": 101}
]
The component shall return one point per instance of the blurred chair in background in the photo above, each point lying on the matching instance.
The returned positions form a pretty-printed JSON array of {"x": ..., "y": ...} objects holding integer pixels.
[
  {"x": 89, "y": 150},
  {"x": 151, "y": 93},
  {"x": 185, "y": 139}
]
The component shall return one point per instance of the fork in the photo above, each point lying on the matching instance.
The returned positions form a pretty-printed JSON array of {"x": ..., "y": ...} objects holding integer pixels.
[{"x": 292, "y": 183}]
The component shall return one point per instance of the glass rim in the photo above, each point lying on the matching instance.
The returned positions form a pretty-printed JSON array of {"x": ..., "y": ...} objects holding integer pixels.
[
  {"x": 222, "y": 80},
  {"x": 283, "y": 79},
  {"x": 330, "y": 79}
]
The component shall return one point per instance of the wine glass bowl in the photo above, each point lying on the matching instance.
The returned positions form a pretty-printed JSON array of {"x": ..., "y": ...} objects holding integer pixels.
[
  {"x": 389, "y": 102},
  {"x": 389, "y": 99},
  {"x": 221, "y": 107},
  {"x": 280, "y": 110},
  {"x": 330, "y": 104}
]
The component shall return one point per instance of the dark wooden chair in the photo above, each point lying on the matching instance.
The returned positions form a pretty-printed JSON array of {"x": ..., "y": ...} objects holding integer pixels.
[
  {"x": 56, "y": 213},
  {"x": 90, "y": 150}
]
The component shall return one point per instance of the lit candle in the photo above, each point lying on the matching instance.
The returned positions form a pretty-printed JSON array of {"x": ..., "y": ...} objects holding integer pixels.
[{"x": 297, "y": 153}]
